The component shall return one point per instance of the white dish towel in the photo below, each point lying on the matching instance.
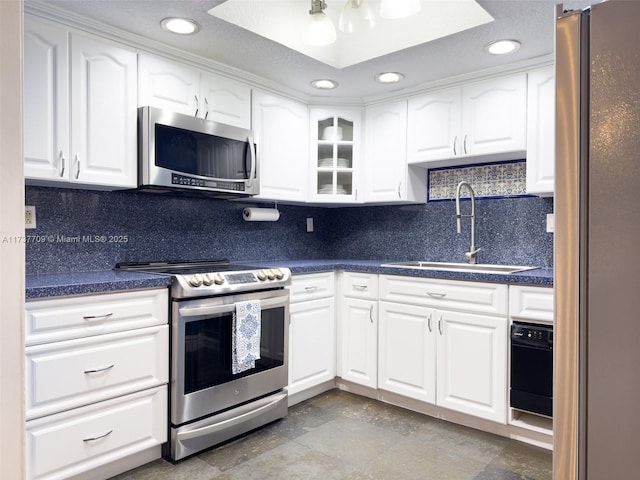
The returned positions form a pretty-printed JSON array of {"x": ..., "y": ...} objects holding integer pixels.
[{"x": 246, "y": 336}]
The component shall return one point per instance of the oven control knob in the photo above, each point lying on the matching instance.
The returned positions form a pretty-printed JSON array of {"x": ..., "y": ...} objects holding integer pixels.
[
  {"x": 208, "y": 279},
  {"x": 218, "y": 279},
  {"x": 271, "y": 274},
  {"x": 262, "y": 275},
  {"x": 195, "y": 280},
  {"x": 279, "y": 274}
]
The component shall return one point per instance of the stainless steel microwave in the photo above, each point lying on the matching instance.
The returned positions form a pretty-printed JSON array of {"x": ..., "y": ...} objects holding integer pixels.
[{"x": 183, "y": 153}]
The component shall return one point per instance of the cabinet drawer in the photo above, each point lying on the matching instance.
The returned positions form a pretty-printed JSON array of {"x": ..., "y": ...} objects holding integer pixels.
[
  {"x": 312, "y": 286},
  {"x": 531, "y": 303},
  {"x": 448, "y": 294},
  {"x": 74, "y": 317},
  {"x": 65, "y": 375},
  {"x": 359, "y": 285},
  {"x": 63, "y": 445}
]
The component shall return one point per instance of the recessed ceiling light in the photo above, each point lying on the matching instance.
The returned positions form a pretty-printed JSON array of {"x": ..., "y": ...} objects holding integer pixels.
[
  {"x": 182, "y": 26},
  {"x": 324, "y": 84},
  {"x": 389, "y": 77},
  {"x": 502, "y": 47}
]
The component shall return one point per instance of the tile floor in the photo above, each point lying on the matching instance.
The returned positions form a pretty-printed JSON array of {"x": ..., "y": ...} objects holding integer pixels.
[{"x": 338, "y": 435}]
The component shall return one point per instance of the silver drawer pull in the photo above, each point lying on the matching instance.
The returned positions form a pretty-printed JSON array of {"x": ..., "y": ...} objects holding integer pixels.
[
  {"x": 311, "y": 288},
  {"x": 436, "y": 294},
  {"x": 93, "y": 439},
  {"x": 360, "y": 287},
  {"x": 97, "y": 317},
  {"x": 98, "y": 370}
]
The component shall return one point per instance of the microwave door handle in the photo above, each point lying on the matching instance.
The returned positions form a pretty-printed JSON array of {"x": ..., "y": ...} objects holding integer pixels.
[{"x": 252, "y": 149}]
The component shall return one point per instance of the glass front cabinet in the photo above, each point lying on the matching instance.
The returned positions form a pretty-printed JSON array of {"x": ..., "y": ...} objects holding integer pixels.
[{"x": 335, "y": 146}]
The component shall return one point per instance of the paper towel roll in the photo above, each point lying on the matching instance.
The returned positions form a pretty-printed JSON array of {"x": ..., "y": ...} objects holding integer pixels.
[{"x": 261, "y": 214}]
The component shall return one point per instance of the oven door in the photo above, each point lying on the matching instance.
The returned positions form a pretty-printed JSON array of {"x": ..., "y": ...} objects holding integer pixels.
[{"x": 202, "y": 381}]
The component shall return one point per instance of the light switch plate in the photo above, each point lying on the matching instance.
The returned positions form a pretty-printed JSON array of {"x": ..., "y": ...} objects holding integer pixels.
[
  {"x": 309, "y": 224},
  {"x": 30, "y": 216}
]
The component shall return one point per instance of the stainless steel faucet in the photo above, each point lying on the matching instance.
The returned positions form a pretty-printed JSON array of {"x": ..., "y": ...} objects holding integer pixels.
[{"x": 472, "y": 253}]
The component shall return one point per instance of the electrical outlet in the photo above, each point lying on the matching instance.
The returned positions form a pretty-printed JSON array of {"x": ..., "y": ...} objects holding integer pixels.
[
  {"x": 551, "y": 223},
  {"x": 310, "y": 224},
  {"x": 30, "y": 216}
]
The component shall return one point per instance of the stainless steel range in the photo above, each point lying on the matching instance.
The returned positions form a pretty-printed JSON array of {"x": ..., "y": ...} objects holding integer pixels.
[{"x": 229, "y": 339}]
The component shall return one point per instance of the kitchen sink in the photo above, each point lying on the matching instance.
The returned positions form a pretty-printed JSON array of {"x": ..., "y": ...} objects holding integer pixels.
[{"x": 461, "y": 267}]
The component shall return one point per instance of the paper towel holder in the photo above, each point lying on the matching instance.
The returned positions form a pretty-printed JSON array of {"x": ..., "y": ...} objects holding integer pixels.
[{"x": 261, "y": 214}]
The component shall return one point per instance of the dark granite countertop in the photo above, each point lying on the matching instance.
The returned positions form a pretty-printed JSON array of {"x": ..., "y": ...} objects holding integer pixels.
[
  {"x": 63, "y": 284},
  {"x": 539, "y": 276},
  {"x": 79, "y": 283}
]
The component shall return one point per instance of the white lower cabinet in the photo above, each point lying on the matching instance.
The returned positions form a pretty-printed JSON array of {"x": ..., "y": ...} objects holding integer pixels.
[
  {"x": 312, "y": 332},
  {"x": 72, "y": 442},
  {"x": 472, "y": 364},
  {"x": 407, "y": 351},
  {"x": 96, "y": 374},
  {"x": 358, "y": 328},
  {"x": 445, "y": 356}
]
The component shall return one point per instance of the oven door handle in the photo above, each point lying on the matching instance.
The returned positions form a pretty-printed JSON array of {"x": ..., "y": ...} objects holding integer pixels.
[
  {"x": 225, "y": 424},
  {"x": 265, "y": 304}
]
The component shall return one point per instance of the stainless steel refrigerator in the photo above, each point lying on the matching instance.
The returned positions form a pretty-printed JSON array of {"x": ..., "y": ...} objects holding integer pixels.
[{"x": 597, "y": 243}]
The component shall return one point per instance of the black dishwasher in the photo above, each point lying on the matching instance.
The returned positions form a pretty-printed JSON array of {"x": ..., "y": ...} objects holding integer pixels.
[{"x": 532, "y": 368}]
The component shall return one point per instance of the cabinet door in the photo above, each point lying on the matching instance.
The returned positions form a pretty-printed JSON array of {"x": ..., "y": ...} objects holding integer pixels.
[
  {"x": 225, "y": 100},
  {"x": 407, "y": 351},
  {"x": 335, "y": 143},
  {"x": 282, "y": 135},
  {"x": 472, "y": 361},
  {"x": 103, "y": 113},
  {"x": 46, "y": 102},
  {"x": 168, "y": 85},
  {"x": 494, "y": 115},
  {"x": 359, "y": 341},
  {"x": 312, "y": 344},
  {"x": 385, "y": 155},
  {"x": 541, "y": 110},
  {"x": 434, "y": 124}
]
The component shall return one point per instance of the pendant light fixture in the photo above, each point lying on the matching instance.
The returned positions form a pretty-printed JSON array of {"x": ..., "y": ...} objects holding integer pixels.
[
  {"x": 320, "y": 30},
  {"x": 399, "y": 8},
  {"x": 356, "y": 15}
]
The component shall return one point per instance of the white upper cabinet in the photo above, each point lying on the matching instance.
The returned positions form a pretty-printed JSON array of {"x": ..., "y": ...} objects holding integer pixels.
[
  {"x": 484, "y": 119},
  {"x": 168, "y": 85},
  {"x": 386, "y": 177},
  {"x": 183, "y": 89},
  {"x": 541, "y": 112},
  {"x": 225, "y": 100},
  {"x": 80, "y": 109},
  {"x": 335, "y": 148},
  {"x": 435, "y": 122},
  {"x": 103, "y": 113},
  {"x": 46, "y": 102},
  {"x": 282, "y": 136}
]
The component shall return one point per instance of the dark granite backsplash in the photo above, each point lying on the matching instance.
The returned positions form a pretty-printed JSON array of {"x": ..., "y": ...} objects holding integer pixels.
[{"x": 80, "y": 230}]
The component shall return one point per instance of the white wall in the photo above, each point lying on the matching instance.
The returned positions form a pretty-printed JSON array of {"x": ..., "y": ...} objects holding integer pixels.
[{"x": 11, "y": 246}]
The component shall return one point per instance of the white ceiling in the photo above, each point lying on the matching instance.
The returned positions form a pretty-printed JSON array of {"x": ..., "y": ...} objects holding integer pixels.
[
  {"x": 529, "y": 21},
  {"x": 285, "y": 22}
]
